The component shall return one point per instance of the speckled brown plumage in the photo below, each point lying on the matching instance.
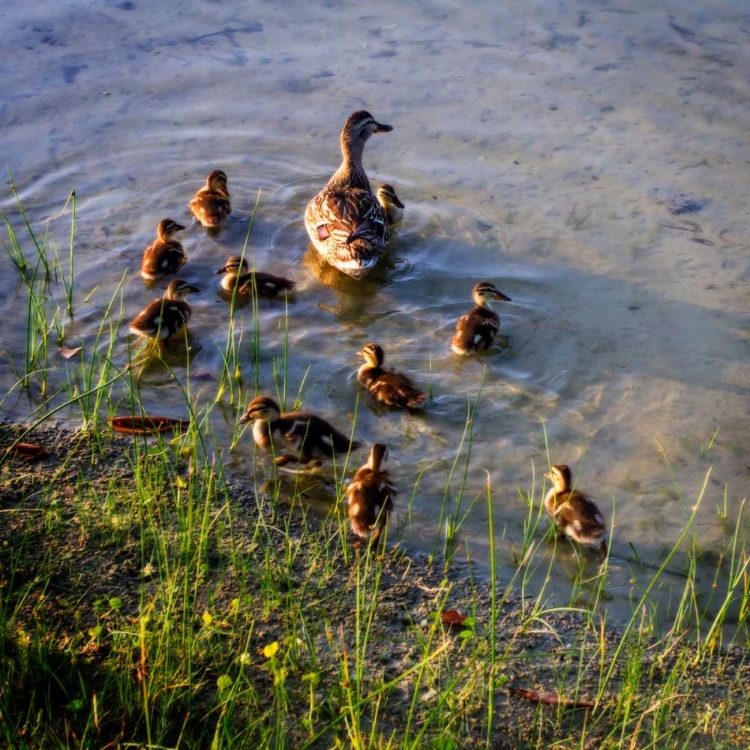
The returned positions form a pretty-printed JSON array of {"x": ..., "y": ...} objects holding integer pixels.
[
  {"x": 211, "y": 205},
  {"x": 165, "y": 255},
  {"x": 369, "y": 496},
  {"x": 345, "y": 222}
]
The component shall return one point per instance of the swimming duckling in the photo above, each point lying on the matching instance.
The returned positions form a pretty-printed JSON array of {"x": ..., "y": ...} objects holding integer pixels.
[
  {"x": 388, "y": 386},
  {"x": 476, "y": 330},
  {"x": 164, "y": 256},
  {"x": 576, "y": 515},
  {"x": 238, "y": 275},
  {"x": 211, "y": 203},
  {"x": 305, "y": 435},
  {"x": 166, "y": 316},
  {"x": 369, "y": 496},
  {"x": 344, "y": 221},
  {"x": 392, "y": 206}
]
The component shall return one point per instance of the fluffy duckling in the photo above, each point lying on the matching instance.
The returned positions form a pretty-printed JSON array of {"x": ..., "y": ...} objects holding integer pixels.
[
  {"x": 388, "y": 386},
  {"x": 211, "y": 203},
  {"x": 239, "y": 276},
  {"x": 392, "y": 206},
  {"x": 164, "y": 256},
  {"x": 344, "y": 221},
  {"x": 306, "y": 435},
  {"x": 576, "y": 515},
  {"x": 369, "y": 496},
  {"x": 166, "y": 316},
  {"x": 476, "y": 330}
]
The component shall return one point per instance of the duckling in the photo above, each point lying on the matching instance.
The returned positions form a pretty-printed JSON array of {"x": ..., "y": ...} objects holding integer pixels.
[
  {"x": 392, "y": 206},
  {"x": 166, "y": 316},
  {"x": 369, "y": 496},
  {"x": 345, "y": 222},
  {"x": 304, "y": 434},
  {"x": 476, "y": 330},
  {"x": 576, "y": 515},
  {"x": 164, "y": 256},
  {"x": 211, "y": 203},
  {"x": 238, "y": 275},
  {"x": 388, "y": 386}
]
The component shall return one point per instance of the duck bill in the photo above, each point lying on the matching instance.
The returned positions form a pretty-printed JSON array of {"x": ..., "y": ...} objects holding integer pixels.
[
  {"x": 382, "y": 128},
  {"x": 221, "y": 270},
  {"x": 178, "y": 227},
  {"x": 503, "y": 297},
  {"x": 360, "y": 354},
  {"x": 397, "y": 202},
  {"x": 244, "y": 419},
  {"x": 548, "y": 475},
  {"x": 193, "y": 289}
]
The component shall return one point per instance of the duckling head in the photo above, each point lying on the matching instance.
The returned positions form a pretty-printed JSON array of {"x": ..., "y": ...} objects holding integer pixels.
[
  {"x": 358, "y": 127},
  {"x": 373, "y": 354},
  {"x": 167, "y": 228},
  {"x": 378, "y": 457},
  {"x": 387, "y": 197},
  {"x": 216, "y": 182},
  {"x": 178, "y": 289},
  {"x": 236, "y": 265},
  {"x": 561, "y": 477},
  {"x": 485, "y": 291},
  {"x": 263, "y": 408}
]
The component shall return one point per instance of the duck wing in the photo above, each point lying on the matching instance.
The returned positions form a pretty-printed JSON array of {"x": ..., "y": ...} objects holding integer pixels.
[
  {"x": 396, "y": 389},
  {"x": 474, "y": 331},
  {"x": 350, "y": 223},
  {"x": 579, "y": 516},
  {"x": 266, "y": 284}
]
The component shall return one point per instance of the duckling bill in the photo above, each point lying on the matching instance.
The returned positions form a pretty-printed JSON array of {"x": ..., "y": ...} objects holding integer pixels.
[
  {"x": 476, "y": 331},
  {"x": 306, "y": 436},
  {"x": 393, "y": 207},
  {"x": 576, "y": 515},
  {"x": 369, "y": 496}
]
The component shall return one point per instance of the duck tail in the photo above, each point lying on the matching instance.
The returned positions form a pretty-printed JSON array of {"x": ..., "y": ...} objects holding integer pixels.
[
  {"x": 341, "y": 443},
  {"x": 417, "y": 401}
]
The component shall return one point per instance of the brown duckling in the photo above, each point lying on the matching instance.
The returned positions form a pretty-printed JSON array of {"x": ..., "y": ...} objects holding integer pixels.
[
  {"x": 164, "y": 256},
  {"x": 306, "y": 435},
  {"x": 166, "y": 316},
  {"x": 388, "y": 386},
  {"x": 575, "y": 514},
  {"x": 392, "y": 206},
  {"x": 238, "y": 275},
  {"x": 476, "y": 330},
  {"x": 211, "y": 203},
  {"x": 369, "y": 496}
]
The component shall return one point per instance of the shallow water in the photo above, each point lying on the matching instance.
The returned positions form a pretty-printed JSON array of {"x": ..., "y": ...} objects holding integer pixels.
[{"x": 536, "y": 146}]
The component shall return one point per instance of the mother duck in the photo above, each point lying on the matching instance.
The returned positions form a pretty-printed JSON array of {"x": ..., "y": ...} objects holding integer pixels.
[{"x": 345, "y": 222}]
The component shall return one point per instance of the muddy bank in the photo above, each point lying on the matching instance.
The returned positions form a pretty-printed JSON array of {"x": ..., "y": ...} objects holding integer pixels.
[{"x": 78, "y": 565}]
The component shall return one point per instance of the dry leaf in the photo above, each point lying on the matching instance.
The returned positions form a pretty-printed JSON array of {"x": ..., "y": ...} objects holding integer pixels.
[
  {"x": 453, "y": 618},
  {"x": 68, "y": 352},
  {"x": 147, "y": 425},
  {"x": 28, "y": 451},
  {"x": 551, "y": 699}
]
